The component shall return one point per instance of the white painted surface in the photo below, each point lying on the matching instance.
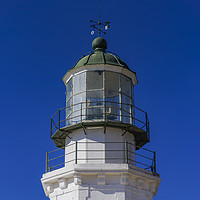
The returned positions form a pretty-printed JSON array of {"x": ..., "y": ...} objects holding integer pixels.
[
  {"x": 111, "y": 68},
  {"x": 98, "y": 147},
  {"x": 103, "y": 181}
]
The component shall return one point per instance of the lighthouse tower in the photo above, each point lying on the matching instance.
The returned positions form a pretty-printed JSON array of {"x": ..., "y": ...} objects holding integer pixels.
[{"x": 100, "y": 135}]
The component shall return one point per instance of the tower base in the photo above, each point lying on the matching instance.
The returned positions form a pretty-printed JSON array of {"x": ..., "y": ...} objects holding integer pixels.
[{"x": 100, "y": 182}]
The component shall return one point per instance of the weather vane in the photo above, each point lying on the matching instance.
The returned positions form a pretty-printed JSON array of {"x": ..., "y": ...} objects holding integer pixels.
[{"x": 99, "y": 26}]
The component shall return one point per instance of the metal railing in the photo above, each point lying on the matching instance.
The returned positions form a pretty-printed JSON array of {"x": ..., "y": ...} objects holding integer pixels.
[
  {"x": 100, "y": 111},
  {"x": 111, "y": 152}
]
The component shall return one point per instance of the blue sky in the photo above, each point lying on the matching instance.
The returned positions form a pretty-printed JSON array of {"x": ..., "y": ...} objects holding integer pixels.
[{"x": 41, "y": 40}]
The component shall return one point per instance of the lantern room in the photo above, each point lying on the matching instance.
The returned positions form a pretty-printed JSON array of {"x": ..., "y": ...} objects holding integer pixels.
[
  {"x": 99, "y": 95},
  {"x": 100, "y": 92}
]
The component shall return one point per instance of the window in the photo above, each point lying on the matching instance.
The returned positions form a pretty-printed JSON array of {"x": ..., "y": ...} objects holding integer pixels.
[
  {"x": 112, "y": 96},
  {"x": 94, "y": 95},
  {"x": 99, "y": 95},
  {"x": 69, "y": 89},
  {"x": 94, "y": 80}
]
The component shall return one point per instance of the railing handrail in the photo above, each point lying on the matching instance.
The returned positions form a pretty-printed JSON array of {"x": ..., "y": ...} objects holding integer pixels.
[
  {"x": 126, "y": 159},
  {"x": 129, "y": 114},
  {"x": 106, "y": 101}
]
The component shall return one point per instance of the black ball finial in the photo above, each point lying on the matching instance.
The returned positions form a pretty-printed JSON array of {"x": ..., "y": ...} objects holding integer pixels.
[{"x": 99, "y": 44}]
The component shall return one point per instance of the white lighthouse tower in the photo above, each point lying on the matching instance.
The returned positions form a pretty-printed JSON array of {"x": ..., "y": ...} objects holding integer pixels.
[{"x": 100, "y": 135}]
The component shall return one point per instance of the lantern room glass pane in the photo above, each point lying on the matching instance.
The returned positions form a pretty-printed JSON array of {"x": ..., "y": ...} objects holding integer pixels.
[
  {"x": 79, "y": 83},
  {"x": 125, "y": 83},
  {"x": 94, "y": 112},
  {"x": 69, "y": 112},
  {"x": 126, "y": 101},
  {"x": 113, "y": 111},
  {"x": 78, "y": 108},
  {"x": 94, "y": 96},
  {"x": 69, "y": 89},
  {"x": 126, "y": 109},
  {"x": 79, "y": 95},
  {"x": 95, "y": 105},
  {"x": 94, "y": 80},
  {"x": 111, "y": 84},
  {"x": 112, "y": 96}
]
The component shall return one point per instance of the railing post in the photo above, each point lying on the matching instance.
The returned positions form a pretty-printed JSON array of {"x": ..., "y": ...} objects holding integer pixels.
[
  {"x": 105, "y": 114},
  {"x": 146, "y": 122},
  {"x": 59, "y": 120},
  {"x": 76, "y": 153},
  {"x": 148, "y": 127},
  {"x": 51, "y": 128},
  {"x": 47, "y": 162},
  {"x": 81, "y": 111},
  {"x": 154, "y": 160},
  {"x": 131, "y": 114},
  {"x": 126, "y": 152}
]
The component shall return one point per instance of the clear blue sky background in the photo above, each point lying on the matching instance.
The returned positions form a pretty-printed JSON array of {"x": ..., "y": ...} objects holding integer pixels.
[{"x": 40, "y": 40}]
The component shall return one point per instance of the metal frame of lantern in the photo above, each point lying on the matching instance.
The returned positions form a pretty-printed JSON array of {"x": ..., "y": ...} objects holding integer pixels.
[{"x": 82, "y": 112}]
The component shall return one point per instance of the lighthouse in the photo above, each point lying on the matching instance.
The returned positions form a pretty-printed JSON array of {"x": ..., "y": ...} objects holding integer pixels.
[{"x": 100, "y": 135}]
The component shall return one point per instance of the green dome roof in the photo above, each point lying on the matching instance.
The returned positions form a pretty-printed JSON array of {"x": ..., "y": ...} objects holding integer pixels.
[{"x": 99, "y": 56}]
